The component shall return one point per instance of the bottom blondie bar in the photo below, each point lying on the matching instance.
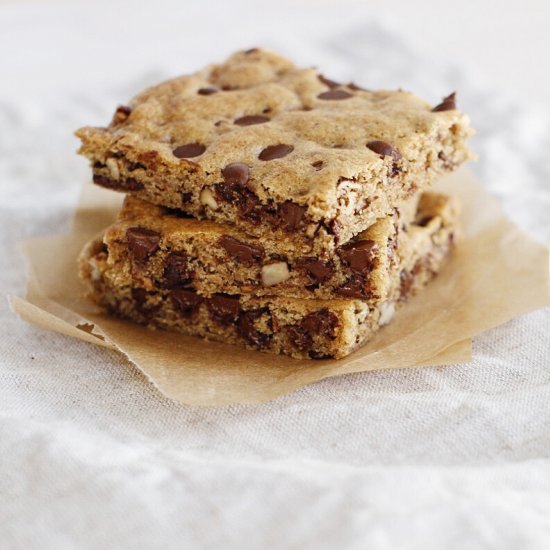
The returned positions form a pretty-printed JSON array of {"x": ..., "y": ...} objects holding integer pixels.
[{"x": 302, "y": 328}]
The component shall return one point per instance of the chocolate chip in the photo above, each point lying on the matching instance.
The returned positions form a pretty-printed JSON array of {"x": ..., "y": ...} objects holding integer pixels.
[
  {"x": 236, "y": 172},
  {"x": 276, "y": 151},
  {"x": 244, "y": 252},
  {"x": 335, "y": 94},
  {"x": 139, "y": 296},
  {"x": 121, "y": 114},
  {"x": 186, "y": 302},
  {"x": 328, "y": 82},
  {"x": 186, "y": 197},
  {"x": 207, "y": 91},
  {"x": 251, "y": 50},
  {"x": 384, "y": 149},
  {"x": 298, "y": 337},
  {"x": 229, "y": 87},
  {"x": 142, "y": 243},
  {"x": 248, "y": 120},
  {"x": 322, "y": 322},
  {"x": 247, "y": 330},
  {"x": 318, "y": 164},
  {"x": 176, "y": 271},
  {"x": 359, "y": 255},
  {"x": 223, "y": 308},
  {"x": 129, "y": 184},
  {"x": 189, "y": 150},
  {"x": 448, "y": 104},
  {"x": 247, "y": 203},
  {"x": 291, "y": 214},
  {"x": 355, "y": 287},
  {"x": 317, "y": 271}
]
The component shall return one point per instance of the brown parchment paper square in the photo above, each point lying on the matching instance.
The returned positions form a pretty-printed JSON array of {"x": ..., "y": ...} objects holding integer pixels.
[{"x": 496, "y": 273}]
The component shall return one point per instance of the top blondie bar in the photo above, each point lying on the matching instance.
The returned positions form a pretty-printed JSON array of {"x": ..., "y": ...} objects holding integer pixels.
[{"x": 288, "y": 155}]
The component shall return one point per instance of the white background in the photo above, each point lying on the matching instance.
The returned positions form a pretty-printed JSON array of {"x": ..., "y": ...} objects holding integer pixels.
[{"x": 91, "y": 456}]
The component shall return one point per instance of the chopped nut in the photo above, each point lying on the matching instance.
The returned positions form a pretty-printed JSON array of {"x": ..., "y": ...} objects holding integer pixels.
[
  {"x": 112, "y": 164},
  {"x": 207, "y": 198},
  {"x": 387, "y": 311},
  {"x": 273, "y": 274},
  {"x": 95, "y": 272},
  {"x": 311, "y": 230}
]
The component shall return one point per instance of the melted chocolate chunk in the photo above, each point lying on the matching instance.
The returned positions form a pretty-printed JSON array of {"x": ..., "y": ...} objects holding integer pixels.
[
  {"x": 236, "y": 172},
  {"x": 186, "y": 302},
  {"x": 129, "y": 184},
  {"x": 176, "y": 271},
  {"x": 189, "y": 150},
  {"x": 328, "y": 82},
  {"x": 291, "y": 214},
  {"x": 246, "y": 201},
  {"x": 223, "y": 308},
  {"x": 359, "y": 255},
  {"x": 299, "y": 337},
  {"x": 121, "y": 114},
  {"x": 142, "y": 243},
  {"x": 248, "y": 120},
  {"x": 322, "y": 323},
  {"x": 384, "y": 149},
  {"x": 209, "y": 90},
  {"x": 247, "y": 330},
  {"x": 335, "y": 95},
  {"x": 318, "y": 164},
  {"x": 448, "y": 104},
  {"x": 276, "y": 152},
  {"x": 317, "y": 271},
  {"x": 355, "y": 287},
  {"x": 244, "y": 252}
]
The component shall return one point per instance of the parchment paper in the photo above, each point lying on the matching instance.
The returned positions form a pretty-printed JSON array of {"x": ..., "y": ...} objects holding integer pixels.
[{"x": 496, "y": 273}]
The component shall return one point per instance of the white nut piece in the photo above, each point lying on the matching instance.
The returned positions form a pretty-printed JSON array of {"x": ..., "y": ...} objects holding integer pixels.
[
  {"x": 95, "y": 272},
  {"x": 112, "y": 164},
  {"x": 273, "y": 274},
  {"x": 387, "y": 311},
  {"x": 207, "y": 198}
]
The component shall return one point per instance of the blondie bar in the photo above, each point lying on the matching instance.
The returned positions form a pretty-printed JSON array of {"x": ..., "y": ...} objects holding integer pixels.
[
  {"x": 133, "y": 273},
  {"x": 284, "y": 153}
]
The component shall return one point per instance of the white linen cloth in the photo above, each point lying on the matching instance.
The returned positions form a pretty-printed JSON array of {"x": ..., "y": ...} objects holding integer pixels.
[{"x": 91, "y": 456}]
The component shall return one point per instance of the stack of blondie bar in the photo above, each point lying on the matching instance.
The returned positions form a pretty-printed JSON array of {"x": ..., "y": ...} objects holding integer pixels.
[{"x": 271, "y": 207}]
